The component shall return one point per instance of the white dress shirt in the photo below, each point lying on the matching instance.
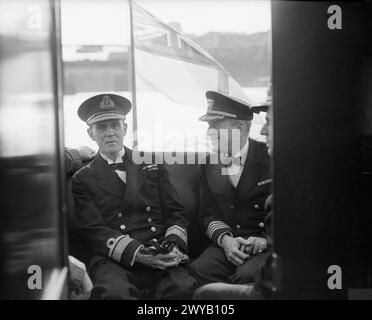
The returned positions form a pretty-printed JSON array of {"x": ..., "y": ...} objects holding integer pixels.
[
  {"x": 235, "y": 170},
  {"x": 123, "y": 176},
  {"x": 119, "y": 159}
]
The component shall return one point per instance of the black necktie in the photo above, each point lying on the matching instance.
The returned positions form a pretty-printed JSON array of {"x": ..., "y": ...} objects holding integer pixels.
[
  {"x": 235, "y": 160},
  {"x": 118, "y": 166}
]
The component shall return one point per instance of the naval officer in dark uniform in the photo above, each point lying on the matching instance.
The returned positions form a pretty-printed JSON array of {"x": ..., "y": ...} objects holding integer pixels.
[
  {"x": 232, "y": 201},
  {"x": 128, "y": 213},
  {"x": 266, "y": 280}
]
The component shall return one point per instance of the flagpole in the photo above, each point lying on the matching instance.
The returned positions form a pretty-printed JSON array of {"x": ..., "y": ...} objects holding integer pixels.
[{"x": 133, "y": 77}]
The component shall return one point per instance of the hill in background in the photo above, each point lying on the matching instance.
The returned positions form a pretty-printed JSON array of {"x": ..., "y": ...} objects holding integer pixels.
[{"x": 246, "y": 57}]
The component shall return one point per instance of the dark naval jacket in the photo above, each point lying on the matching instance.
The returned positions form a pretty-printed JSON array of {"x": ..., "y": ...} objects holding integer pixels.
[
  {"x": 267, "y": 279},
  {"x": 117, "y": 218},
  {"x": 239, "y": 211}
]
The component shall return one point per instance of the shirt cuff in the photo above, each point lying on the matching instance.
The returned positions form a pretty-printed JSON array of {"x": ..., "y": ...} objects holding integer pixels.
[
  {"x": 123, "y": 249},
  {"x": 135, "y": 254},
  {"x": 221, "y": 235},
  {"x": 216, "y": 229},
  {"x": 177, "y": 234}
]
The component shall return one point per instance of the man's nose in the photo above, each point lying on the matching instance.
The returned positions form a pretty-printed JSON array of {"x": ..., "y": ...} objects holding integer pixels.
[
  {"x": 109, "y": 132},
  {"x": 264, "y": 131},
  {"x": 212, "y": 132}
]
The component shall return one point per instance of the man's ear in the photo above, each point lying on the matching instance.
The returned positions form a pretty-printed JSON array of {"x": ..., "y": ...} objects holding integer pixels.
[
  {"x": 91, "y": 135},
  {"x": 246, "y": 125},
  {"x": 125, "y": 127},
  {"x": 249, "y": 125}
]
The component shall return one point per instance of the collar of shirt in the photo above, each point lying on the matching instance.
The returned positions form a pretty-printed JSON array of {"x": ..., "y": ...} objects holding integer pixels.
[
  {"x": 119, "y": 158},
  {"x": 236, "y": 169},
  {"x": 243, "y": 153}
]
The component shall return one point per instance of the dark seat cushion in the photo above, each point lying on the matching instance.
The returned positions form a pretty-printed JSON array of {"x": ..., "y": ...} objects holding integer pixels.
[{"x": 184, "y": 178}]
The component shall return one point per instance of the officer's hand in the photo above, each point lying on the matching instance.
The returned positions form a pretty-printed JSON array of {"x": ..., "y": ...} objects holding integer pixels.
[
  {"x": 159, "y": 261},
  {"x": 255, "y": 245},
  {"x": 83, "y": 291},
  {"x": 231, "y": 247},
  {"x": 86, "y": 153},
  {"x": 80, "y": 282},
  {"x": 179, "y": 256}
]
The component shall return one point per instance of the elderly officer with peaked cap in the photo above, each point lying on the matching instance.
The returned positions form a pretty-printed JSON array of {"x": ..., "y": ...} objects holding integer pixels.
[
  {"x": 128, "y": 213},
  {"x": 232, "y": 201},
  {"x": 266, "y": 280}
]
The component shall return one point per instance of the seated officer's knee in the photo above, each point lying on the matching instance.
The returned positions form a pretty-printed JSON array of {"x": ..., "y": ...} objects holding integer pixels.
[
  {"x": 245, "y": 274},
  {"x": 224, "y": 291},
  {"x": 177, "y": 285},
  {"x": 242, "y": 277},
  {"x": 208, "y": 292},
  {"x": 192, "y": 266},
  {"x": 111, "y": 282},
  {"x": 112, "y": 291},
  {"x": 197, "y": 267},
  {"x": 197, "y": 272}
]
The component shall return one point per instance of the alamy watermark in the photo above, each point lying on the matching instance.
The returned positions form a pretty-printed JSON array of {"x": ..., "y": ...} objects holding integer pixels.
[
  {"x": 335, "y": 280},
  {"x": 335, "y": 20},
  {"x": 224, "y": 144},
  {"x": 34, "y": 281}
]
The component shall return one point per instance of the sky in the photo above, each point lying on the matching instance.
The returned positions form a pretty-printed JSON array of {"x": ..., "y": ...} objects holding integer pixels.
[
  {"x": 201, "y": 16},
  {"x": 105, "y": 22}
]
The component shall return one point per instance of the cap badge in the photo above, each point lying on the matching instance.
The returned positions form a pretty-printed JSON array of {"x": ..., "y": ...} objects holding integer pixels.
[
  {"x": 106, "y": 103},
  {"x": 210, "y": 103}
]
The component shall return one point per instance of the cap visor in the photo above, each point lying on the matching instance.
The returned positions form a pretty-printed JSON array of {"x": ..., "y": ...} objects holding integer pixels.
[
  {"x": 260, "y": 108},
  {"x": 211, "y": 117},
  {"x": 106, "y": 116}
]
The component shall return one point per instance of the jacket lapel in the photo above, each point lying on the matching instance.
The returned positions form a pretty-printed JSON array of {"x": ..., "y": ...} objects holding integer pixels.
[
  {"x": 218, "y": 182},
  {"x": 108, "y": 180},
  {"x": 135, "y": 179},
  {"x": 255, "y": 166}
]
